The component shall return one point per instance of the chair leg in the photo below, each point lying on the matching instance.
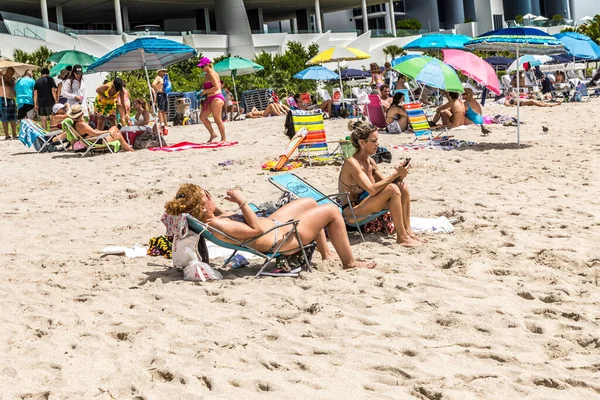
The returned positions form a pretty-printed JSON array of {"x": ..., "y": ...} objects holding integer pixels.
[
  {"x": 262, "y": 268},
  {"x": 303, "y": 250},
  {"x": 356, "y": 221}
]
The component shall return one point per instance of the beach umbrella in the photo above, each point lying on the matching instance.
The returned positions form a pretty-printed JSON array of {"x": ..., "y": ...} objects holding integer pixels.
[
  {"x": 338, "y": 54},
  {"x": 587, "y": 18},
  {"x": 235, "y": 66},
  {"x": 533, "y": 59},
  {"x": 317, "y": 73},
  {"x": 437, "y": 42},
  {"x": 143, "y": 53},
  {"x": 350, "y": 73},
  {"x": 540, "y": 18},
  {"x": 72, "y": 57},
  {"x": 431, "y": 72},
  {"x": 19, "y": 68},
  {"x": 473, "y": 67},
  {"x": 499, "y": 62},
  {"x": 529, "y": 16},
  {"x": 579, "y": 46},
  {"x": 515, "y": 40}
]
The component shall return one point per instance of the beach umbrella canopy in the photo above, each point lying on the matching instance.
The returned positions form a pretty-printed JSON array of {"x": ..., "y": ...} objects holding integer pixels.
[
  {"x": 350, "y": 73},
  {"x": 236, "y": 66},
  {"x": 533, "y": 60},
  {"x": 19, "y": 68},
  {"x": 473, "y": 67},
  {"x": 431, "y": 72},
  {"x": 317, "y": 73},
  {"x": 587, "y": 18},
  {"x": 529, "y": 16},
  {"x": 144, "y": 53},
  {"x": 400, "y": 59},
  {"x": 338, "y": 54},
  {"x": 540, "y": 18},
  {"x": 499, "y": 62},
  {"x": 72, "y": 57},
  {"x": 579, "y": 46},
  {"x": 438, "y": 41},
  {"x": 527, "y": 40}
]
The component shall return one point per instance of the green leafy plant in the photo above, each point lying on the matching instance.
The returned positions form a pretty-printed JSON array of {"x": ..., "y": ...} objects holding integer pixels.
[
  {"x": 467, "y": 20},
  {"x": 558, "y": 19},
  {"x": 37, "y": 58},
  {"x": 409, "y": 24},
  {"x": 591, "y": 29},
  {"x": 519, "y": 19}
]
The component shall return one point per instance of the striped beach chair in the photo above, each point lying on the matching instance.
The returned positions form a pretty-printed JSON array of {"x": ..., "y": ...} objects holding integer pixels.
[
  {"x": 314, "y": 145},
  {"x": 418, "y": 121}
]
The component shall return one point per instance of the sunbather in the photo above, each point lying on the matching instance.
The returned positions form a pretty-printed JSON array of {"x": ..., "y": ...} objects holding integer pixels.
[
  {"x": 272, "y": 110},
  {"x": 370, "y": 192},
  {"x": 509, "y": 101},
  {"x": 312, "y": 219},
  {"x": 397, "y": 112},
  {"x": 452, "y": 113},
  {"x": 473, "y": 111},
  {"x": 85, "y": 130}
]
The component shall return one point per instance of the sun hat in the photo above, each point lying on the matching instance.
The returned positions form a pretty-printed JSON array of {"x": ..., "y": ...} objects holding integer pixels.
[
  {"x": 161, "y": 69},
  {"x": 57, "y": 107},
  {"x": 63, "y": 74},
  {"x": 75, "y": 112},
  {"x": 204, "y": 61}
]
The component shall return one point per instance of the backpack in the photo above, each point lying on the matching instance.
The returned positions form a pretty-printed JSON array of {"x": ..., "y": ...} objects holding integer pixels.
[
  {"x": 178, "y": 120},
  {"x": 148, "y": 140},
  {"x": 167, "y": 86}
]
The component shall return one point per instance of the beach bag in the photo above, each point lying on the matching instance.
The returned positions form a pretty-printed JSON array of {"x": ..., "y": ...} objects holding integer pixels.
[
  {"x": 186, "y": 238},
  {"x": 288, "y": 126},
  {"x": 178, "y": 120},
  {"x": 382, "y": 155},
  {"x": 148, "y": 140},
  {"x": 197, "y": 270},
  {"x": 167, "y": 86}
]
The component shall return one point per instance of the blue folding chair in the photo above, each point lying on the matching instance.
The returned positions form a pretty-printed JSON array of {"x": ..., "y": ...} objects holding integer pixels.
[
  {"x": 207, "y": 232},
  {"x": 290, "y": 182}
]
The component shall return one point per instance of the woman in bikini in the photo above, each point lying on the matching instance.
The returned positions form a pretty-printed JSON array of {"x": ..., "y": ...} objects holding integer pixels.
[
  {"x": 213, "y": 104},
  {"x": 397, "y": 112},
  {"x": 376, "y": 76},
  {"x": 312, "y": 219},
  {"x": 371, "y": 192},
  {"x": 473, "y": 111},
  {"x": 272, "y": 110}
]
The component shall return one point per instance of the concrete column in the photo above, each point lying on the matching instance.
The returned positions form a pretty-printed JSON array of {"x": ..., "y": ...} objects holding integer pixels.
[
  {"x": 294, "y": 25},
  {"x": 118, "y": 19},
  {"x": 207, "y": 19},
  {"x": 126, "y": 24},
  {"x": 59, "y": 19},
  {"x": 318, "y": 16},
  {"x": 44, "y": 8},
  {"x": 365, "y": 16},
  {"x": 392, "y": 16},
  {"x": 388, "y": 20}
]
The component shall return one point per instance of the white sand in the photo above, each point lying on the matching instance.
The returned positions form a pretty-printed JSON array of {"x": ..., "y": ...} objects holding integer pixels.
[{"x": 506, "y": 307}]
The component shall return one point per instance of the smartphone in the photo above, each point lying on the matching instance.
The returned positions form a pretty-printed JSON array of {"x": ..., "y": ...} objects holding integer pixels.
[{"x": 406, "y": 162}]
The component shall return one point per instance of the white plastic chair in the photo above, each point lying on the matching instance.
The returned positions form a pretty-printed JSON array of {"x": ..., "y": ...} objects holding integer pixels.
[{"x": 324, "y": 94}]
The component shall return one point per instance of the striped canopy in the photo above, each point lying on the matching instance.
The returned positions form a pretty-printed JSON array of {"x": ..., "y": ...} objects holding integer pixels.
[
  {"x": 527, "y": 40},
  {"x": 151, "y": 53},
  {"x": 337, "y": 54}
]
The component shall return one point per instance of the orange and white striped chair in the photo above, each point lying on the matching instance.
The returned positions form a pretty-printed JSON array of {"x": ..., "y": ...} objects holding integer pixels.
[{"x": 314, "y": 145}]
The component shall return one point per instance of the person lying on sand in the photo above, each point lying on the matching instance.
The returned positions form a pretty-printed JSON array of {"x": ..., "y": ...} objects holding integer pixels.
[
  {"x": 371, "y": 192},
  {"x": 509, "y": 101},
  {"x": 272, "y": 110},
  {"x": 312, "y": 219}
]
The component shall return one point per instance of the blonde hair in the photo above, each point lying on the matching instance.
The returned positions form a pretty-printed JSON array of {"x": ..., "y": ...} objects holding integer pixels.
[
  {"x": 189, "y": 199},
  {"x": 142, "y": 102},
  {"x": 360, "y": 131}
]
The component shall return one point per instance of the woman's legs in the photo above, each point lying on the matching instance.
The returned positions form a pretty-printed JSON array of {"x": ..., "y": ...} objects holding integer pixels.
[
  {"x": 116, "y": 135},
  {"x": 101, "y": 119},
  {"x": 406, "y": 211},
  {"x": 216, "y": 106},
  {"x": 123, "y": 116},
  {"x": 312, "y": 223},
  {"x": 204, "y": 118},
  {"x": 446, "y": 117},
  {"x": 326, "y": 106},
  {"x": 390, "y": 198}
]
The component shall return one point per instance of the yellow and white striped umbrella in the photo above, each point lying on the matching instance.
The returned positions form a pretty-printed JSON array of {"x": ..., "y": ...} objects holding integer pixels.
[{"x": 337, "y": 54}]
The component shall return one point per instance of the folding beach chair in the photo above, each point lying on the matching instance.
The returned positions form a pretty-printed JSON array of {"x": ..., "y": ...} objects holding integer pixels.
[
  {"x": 290, "y": 182},
  {"x": 208, "y": 232},
  {"x": 95, "y": 143},
  {"x": 32, "y": 134},
  {"x": 305, "y": 99},
  {"x": 374, "y": 111},
  {"x": 419, "y": 122},
  {"x": 324, "y": 94},
  {"x": 314, "y": 146}
]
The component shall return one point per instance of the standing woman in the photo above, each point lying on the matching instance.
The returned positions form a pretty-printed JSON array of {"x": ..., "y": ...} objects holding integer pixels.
[
  {"x": 106, "y": 100},
  {"x": 64, "y": 73},
  {"x": 376, "y": 76},
  {"x": 214, "y": 101},
  {"x": 124, "y": 107},
  {"x": 73, "y": 88}
]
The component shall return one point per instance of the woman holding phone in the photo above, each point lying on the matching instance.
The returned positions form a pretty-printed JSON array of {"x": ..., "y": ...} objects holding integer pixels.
[{"x": 369, "y": 191}]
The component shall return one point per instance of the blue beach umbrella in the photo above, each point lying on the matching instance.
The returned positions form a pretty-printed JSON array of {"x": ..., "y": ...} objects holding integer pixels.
[
  {"x": 350, "y": 73},
  {"x": 317, "y": 73},
  {"x": 400, "y": 59},
  {"x": 579, "y": 46},
  {"x": 515, "y": 40},
  {"x": 499, "y": 62},
  {"x": 143, "y": 53},
  {"x": 437, "y": 42}
]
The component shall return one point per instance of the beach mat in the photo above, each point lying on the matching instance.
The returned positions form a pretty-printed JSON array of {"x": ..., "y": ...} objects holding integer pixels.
[{"x": 189, "y": 145}]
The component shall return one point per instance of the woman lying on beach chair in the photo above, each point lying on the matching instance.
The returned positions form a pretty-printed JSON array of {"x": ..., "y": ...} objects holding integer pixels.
[
  {"x": 371, "y": 192},
  {"x": 272, "y": 110},
  {"x": 270, "y": 233},
  {"x": 509, "y": 101}
]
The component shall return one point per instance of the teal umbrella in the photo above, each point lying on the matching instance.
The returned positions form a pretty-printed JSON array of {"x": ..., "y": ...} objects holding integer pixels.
[
  {"x": 54, "y": 71},
  {"x": 235, "y": 66},
  {"x": 70, "y": 57}
]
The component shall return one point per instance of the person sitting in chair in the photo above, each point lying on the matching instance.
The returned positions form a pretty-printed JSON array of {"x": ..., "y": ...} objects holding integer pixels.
[
  {"x": 397, "y": 112},
  {"x": 370, "y": 191},
  {"x": 85, "y": 130},
  {"x": 452, "y": 113},
  {"x": 473, "y": 111},
  {"x": 312, "y": 219}
]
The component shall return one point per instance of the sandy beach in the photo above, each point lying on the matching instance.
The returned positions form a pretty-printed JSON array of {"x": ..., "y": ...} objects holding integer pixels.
[{"x": 506, "y": 307}]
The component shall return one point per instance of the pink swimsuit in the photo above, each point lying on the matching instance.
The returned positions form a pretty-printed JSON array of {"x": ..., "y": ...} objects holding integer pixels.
[{"x": 208, "y": 85}]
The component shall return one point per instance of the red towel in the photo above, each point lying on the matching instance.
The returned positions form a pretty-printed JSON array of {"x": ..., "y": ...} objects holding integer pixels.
[{"x": 188, "y": 145}]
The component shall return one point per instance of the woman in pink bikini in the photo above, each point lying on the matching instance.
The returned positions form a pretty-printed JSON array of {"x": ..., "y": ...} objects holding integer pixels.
[{"x": 214, "y": 101}]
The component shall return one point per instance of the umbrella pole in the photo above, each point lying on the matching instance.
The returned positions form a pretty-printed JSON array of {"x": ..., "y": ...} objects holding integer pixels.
[
  {"x": 518, "y": 101},
  {"x": 154, "y": 113},
  {"x": 237, "y": 103},
  {"x": 341, "y": 87},
  {"x": 5, "y": 101}
]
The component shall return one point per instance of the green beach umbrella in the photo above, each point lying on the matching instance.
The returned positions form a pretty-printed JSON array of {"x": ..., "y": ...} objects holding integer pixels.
[
  {"x": 235, "y": 66},
  {"x": 429, "y": 71},
  {"x": 70, "y": 57},
  {"x": 54, "y": 71}
]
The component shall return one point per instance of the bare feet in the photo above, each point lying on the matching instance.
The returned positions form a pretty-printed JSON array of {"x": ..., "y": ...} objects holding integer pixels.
[
  {"x": 419, "y": 239},
  {"x": 212, "y": 137},
  {"x": 408, "y": 242},
  {"x": 361, "y": 264},
  {"x": 329, "y": 256}
]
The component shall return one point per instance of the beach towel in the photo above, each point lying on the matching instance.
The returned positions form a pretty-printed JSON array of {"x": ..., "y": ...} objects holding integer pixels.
[
  {"x": 188, "y": 145},
  {"x": 447, "y": 144},
  {"x": 29, "y": 132}
]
